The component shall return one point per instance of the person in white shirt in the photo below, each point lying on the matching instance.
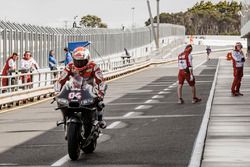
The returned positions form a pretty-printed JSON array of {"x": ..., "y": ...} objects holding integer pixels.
[
  {"x": 28, "y": 64},
  {"x": 238, "y": 60}
]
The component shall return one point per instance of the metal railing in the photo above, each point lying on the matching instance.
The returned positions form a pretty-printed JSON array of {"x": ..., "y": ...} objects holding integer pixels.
[
  {"x": 110, "y": 43},
  {"x": 18, "y": 81},
  {"x": 39, "y": 40}
]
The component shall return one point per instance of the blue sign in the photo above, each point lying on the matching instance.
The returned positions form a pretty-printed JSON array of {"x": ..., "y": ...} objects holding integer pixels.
[{"x": 73, "y": 45}]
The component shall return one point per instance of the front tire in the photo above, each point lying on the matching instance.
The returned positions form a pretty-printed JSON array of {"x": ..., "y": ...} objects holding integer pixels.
[{"x": 73, "y": 141}]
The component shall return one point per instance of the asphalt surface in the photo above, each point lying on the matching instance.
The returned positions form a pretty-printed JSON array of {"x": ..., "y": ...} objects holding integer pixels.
[{"x": 146, "y": 125}]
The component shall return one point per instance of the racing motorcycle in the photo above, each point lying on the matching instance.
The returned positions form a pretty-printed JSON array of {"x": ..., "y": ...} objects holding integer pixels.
[{"x": 78, "y": 102}]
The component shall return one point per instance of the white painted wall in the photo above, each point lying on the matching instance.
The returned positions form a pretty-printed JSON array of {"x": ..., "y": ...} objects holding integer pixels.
[{"x": 213, "y": 40}]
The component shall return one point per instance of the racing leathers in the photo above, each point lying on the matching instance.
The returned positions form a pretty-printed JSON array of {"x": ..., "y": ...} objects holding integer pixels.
[
  {"x": 92, "y": 75},
  {"x": 238, "y": 60}
]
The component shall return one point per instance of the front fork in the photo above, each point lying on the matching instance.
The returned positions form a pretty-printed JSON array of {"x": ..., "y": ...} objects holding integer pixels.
[{"x": 90, "y": 124}]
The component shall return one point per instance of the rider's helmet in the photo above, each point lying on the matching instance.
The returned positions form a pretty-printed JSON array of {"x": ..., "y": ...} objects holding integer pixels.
[
  {"x": 81, "y": 58},
  {"x": 189, "y": 48},
  {"x": 238, "y": 44}
]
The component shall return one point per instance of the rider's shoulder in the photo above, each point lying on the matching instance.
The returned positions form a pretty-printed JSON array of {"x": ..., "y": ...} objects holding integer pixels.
[
  {"x": 92, "y": 64},
  {"x": 69, "y": 66}
]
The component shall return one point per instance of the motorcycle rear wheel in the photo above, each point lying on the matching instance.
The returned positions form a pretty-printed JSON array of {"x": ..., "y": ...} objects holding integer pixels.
[{"x": 91, "y": 147}]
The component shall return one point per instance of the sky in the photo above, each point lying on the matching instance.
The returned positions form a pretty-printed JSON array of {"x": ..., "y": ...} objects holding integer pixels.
[{"x": 61, "y": 13}]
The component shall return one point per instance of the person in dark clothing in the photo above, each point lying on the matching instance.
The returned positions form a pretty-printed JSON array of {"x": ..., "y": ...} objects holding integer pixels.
[
  {"x": 52, "y": 62},
  {"x": 68, "y": 57}
]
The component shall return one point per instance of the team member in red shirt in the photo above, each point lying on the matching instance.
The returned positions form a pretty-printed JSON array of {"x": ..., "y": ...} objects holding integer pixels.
[
  {"x": 9, "y": 65},
  {"x": 186, "y": 73}
]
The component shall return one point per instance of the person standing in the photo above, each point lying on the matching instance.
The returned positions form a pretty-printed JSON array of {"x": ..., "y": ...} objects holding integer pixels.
[
  {"x": 10, "y": 65},
  {"x": 238, "y": 60},
  {"x": 52, "y": 62},
  {"x": 186, "y": 73},
  {"x": 68, "y": 57},
  {"x": 28, "y": 64},
  {"x": 208, "y": 49}
]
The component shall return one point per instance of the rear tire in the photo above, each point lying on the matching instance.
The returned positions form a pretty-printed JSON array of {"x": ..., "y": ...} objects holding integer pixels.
[
  {"x": 91, "y": 147},
  {"x": 73, "y": 141}
]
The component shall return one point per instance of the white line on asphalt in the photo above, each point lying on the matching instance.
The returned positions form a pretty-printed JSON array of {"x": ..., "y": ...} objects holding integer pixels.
[
  {"x": 204, "y": 81},
  {"x": 143, "y": 107},
  {"x": 153, "y": 120},
  {"x": 139, "y": 107},
  {"x": 61, "y": 161},
  {"x": 128, "y": 114},
  {"x": 152, "y": 101},
  {"x": 151, "y": 117},
  {"x": 157, "y": 97},
  {"x": 167, "y": 89},
  {"x": 195, "y": 160},
  {"x": 162, "y": 92},
  {"x": 148, "y": 101},
  {"x": 102, "y": 138},
  {"x": 114, "y": 124},
  {"x": 172, "y": 86},
  {"x": 8, "y": 164}
]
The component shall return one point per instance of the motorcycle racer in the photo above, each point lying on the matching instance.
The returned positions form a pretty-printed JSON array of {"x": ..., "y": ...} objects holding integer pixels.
[{"x": 90, "y": 72}]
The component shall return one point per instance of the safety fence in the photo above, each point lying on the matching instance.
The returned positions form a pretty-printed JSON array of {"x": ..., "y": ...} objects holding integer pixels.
[
  {"x": 23, "y": 80},
  {"x": 39, "y": 40},
  {"x": 109, "y": 43},
  {"x": 26, "y": 87}
]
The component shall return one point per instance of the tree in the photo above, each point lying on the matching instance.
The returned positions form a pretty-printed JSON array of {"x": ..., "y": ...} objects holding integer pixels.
[
  {"x": 206, "y": 18},
  {"x": 92, "y": 21}
]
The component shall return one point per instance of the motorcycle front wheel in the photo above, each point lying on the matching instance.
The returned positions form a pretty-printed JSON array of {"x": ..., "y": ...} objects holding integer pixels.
[{"x": 73, "y": 141}]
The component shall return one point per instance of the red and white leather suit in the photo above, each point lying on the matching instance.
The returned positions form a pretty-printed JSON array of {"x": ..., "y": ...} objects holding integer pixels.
[{"x": 91, "y": 73}]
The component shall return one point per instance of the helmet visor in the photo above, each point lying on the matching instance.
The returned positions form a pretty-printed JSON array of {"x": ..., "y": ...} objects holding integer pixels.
[{"x": 80, "y": 63}]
